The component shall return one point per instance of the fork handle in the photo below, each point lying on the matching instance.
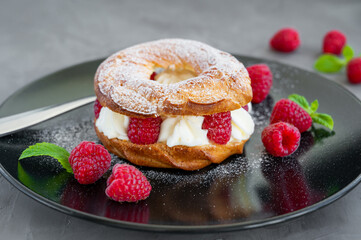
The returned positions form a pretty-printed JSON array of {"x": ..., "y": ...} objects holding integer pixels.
[{"x": 23, "y": 120}]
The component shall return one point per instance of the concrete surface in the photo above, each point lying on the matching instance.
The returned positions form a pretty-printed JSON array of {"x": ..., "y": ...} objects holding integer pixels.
[{"x": 39, "y": 37}]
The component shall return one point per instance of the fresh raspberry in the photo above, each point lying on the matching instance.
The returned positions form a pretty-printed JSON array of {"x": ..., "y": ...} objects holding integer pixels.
[
  {"x": 97, "y": 108},
  {"x": 127, "y": 184},
  {"x": 285, "y": 40},
  {"x": 281, "y": 139},
  {"x": 288, "y": 111},
  {"x": 89, "y": 162},
  {"x": 245, "y": 108},
  {"x": 152, "y": 77},
  {"x": 261, "y": 81},
  {"x": 354, "y": 70},
  {"x": 144, "y": 130},
  {"x": 333, "y": 42},
  {"x": 219, "y": 127}
]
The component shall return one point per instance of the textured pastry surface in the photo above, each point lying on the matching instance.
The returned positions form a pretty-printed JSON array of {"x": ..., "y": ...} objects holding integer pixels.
[
  {"x": 221, "y": 83},
  {"x": 161, "y": 156}
]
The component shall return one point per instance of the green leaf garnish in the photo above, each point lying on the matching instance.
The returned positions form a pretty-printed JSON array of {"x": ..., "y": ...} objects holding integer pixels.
[
  {"x": 314, "y": 106},
  {"x": 48, "y": 149},
  {"x": 320, "y": 118},
  {"x": 329, "y": 63},
  {"x": 323, "y": 119},
  {"x": 348, "y": 53},
  {"x": 300, "y": 100}
]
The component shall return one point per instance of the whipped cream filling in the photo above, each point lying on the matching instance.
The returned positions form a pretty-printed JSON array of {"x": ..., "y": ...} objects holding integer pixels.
[
  {"x": 183, "y": 130},
  {"x": 112, "y": 124},
  {"x": 180, "y": 130}
]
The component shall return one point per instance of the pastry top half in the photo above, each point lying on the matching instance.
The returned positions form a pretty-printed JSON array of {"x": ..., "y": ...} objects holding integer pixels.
[{"x": 220, "y": 82}]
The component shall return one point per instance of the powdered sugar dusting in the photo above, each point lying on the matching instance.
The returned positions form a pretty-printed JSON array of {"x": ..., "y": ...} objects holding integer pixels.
[{"x": 124, "y": 76}]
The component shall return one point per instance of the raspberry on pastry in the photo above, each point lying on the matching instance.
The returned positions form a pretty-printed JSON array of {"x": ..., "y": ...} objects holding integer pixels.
[
  {"x": 173, "y": 103},
  {"x": 219, "y": 127}
]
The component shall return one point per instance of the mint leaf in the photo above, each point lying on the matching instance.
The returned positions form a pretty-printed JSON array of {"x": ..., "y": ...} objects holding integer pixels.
[
  {"x": 348, "y": 53},
  {"x": 329, "y": 63},
  {"x": 314, "y": 106},
  {"x": 48, "y": 149},
  {"x": 323, "y": 119},
  {"x": 300, "y": 100}
]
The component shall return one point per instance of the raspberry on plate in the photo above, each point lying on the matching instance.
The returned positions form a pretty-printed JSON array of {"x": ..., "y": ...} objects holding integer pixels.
[
  {"x": 281, "y": 139},
  {"x": 261, "y": 81},
  {"x": 333, "y": 42},
  {"x": 144, "y": 130},
  {"x": 97, "y": 108},
  {"x": 127, "y": 184},
  {"x": 285, "y": 40},
  {"x": 89, "y": 162},
  {"x": 354, "y": 70},
  {"x": 152, "y": 77},
  {"x": 288, "y": 111},
  {"x": 219, "y": 127}
]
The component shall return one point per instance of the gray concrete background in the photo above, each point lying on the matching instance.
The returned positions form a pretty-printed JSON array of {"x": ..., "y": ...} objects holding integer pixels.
[{"x": 39, "y": 37}]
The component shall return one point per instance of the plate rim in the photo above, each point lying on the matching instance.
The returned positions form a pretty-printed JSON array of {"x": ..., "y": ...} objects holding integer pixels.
[{"x": 183, "y": 228}]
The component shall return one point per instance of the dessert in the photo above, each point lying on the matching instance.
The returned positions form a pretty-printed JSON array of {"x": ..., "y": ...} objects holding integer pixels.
[{"x": 188, "y": 117}]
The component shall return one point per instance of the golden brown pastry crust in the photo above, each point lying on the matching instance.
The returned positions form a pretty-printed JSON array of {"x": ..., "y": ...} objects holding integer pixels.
[
  {"x": 122, "y": 81},
  {"x": 161, "y": 156}
]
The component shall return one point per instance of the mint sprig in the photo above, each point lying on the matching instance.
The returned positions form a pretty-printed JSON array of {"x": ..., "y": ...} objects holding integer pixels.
[
  {"x": 320, "y": 118},
  {"x": 49, "y": 149},
  {"x": 323, "y": 119},
  {"x": 330, "y": 63}
]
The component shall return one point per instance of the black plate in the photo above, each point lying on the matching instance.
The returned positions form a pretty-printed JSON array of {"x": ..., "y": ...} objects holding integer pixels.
[{"x": 245, "y": 191}]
